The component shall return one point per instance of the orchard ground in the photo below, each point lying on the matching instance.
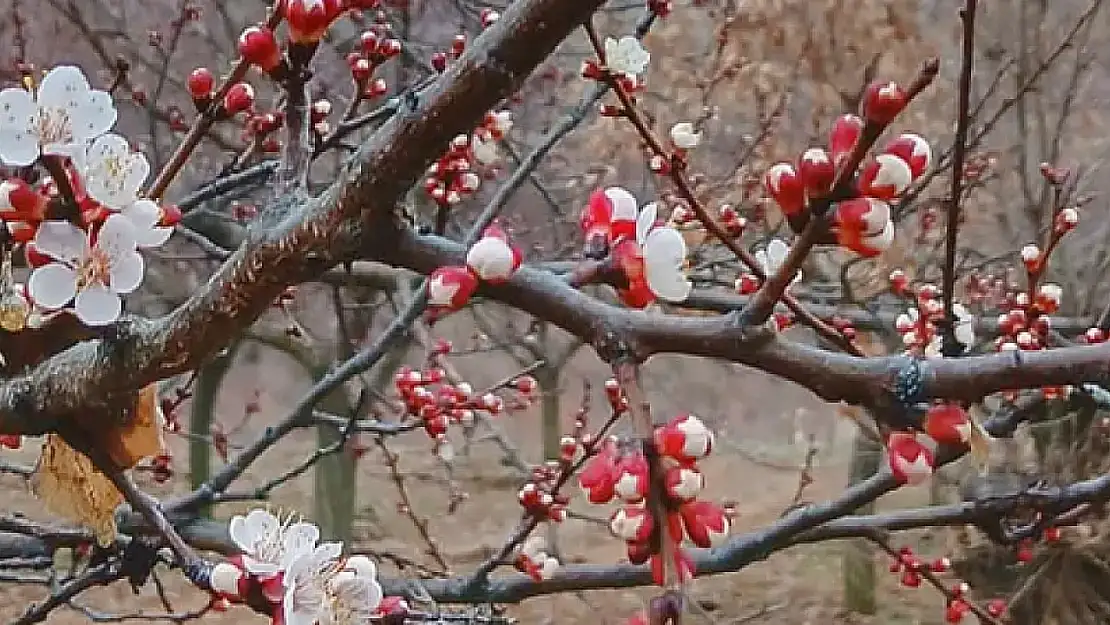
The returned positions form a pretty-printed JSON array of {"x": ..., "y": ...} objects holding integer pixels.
[{"x": 756, "y": 463}]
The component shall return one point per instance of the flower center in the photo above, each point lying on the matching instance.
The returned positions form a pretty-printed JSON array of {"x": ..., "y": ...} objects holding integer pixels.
[
  {"x": 55, "y": 126},
  {"x": 95, "y": 268}
]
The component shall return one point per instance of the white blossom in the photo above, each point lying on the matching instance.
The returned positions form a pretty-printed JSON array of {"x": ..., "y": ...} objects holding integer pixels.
[
  {"x": 113, "y": 172},
  {"x": 92, "y": 275},
  {"x": 626, "y": 56},
  {"x": 145, "y": 215},
  {"x": 59, "y": 119},
  {"x": 270, "y": 544},
  {"x": 321, "y": 588},
  {"x": 773, "y": 256},
  {"x": 684, "y": 136},
  {"x": 664, "y": 252}
]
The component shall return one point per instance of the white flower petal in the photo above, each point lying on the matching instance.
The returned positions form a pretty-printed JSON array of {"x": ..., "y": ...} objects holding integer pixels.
[
  {"x": 258, "y": 524},
  {"x": 97, "y": 306},
  {"x": 300, "y": 538},
  {"x": 117, "y": 237},
  {"x": 19, "y": 144},
  {"x": 362, "y": 565},
  {"x": 645, "y": 221},
  {"x": 113, "y": 173},
  {"x": 52, "y": 286},
  {"x": 62, "y": 87},
  {"x": 777, "y": 250},
  {"x": 154, "y": 237},
  {"x": 667, "y": 283},
  {"x": 61, "y": 240},
  {"x": 665, "y": 247},
  {"x": 126, "y": 273},
  {"x": 95, "y": 115},
  {"x": 144, "y": 214}
]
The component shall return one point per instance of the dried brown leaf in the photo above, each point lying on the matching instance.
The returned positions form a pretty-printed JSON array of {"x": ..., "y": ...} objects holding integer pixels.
[{"x": 70, "y": 486}]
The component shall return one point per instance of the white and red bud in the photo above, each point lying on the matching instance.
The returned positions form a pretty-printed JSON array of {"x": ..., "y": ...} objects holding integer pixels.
[
  {"x": 948, "y": 423},
  {"x": 817, "y": 171},
  {"x": 633, "y": 479},
  {"x": 258, "y": 46},
  {"x": 493, "y": 259},
  {"x": 200, "y": 83},
  {"x": 914, "y": 150},
  {"x": 450, "y": 287},
  {"x": 885, "y": 177},
  {"x": 910, "y": 461},
  {"x": 785, "y": 186},
  {"x": 684, "y": 438},
  {"x": 632, "y": 523},
  {"x": 308, "y": 20},
  {"x": 683, "y": 483},
  {"x": 706, "y": 523},
  {"x": 239, "y": 98},
  {"x": 883, "y": 101}
]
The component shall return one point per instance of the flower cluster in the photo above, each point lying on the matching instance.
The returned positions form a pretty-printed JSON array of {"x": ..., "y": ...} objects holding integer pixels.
[
  {"x": 649, "y": 255},
  {"x": 81, "y": 233},
  {"x": 534, "y": 560},
  {"x": 862, "y": 222},
  {"x": 430, "y": 398},
  {"x": 911, "y": 455},
  {"x": 912, "y": 570},
  {"x": 770, "y": 259},
  {"x": 918, "y": 326},
  {"x": 626, "y": 474},
  {"x": 376, "y": 46},
  {"x": 301, "y": 580},
  {"x": 456, "y": 174},
  {"x": 625, "y": 61},
  {"x": 493, "y": 259}
]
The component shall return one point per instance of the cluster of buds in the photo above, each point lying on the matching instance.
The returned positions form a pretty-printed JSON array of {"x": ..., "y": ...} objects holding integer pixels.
[
  {"x": 435, "y": 402},
  {"x": 455, "y": 175},
  {"x": 626, "y": 474},
  {"x": 912, "y": 570},
  {"x": 376, "y": 46},
  {"x": 261, "y": 127},
  {"x": 493, "y": 259},
  {"x": 540, "y": 496},
  {"x": 919, "y": 325},
  {"x": 534, "y": 560},
  {"x": 861, "y": 216}
]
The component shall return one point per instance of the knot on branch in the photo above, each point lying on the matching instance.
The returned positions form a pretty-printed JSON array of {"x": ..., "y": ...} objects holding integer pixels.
[
  {"x": 612, "y": 347},
  {"x": 909, "y": 383}
]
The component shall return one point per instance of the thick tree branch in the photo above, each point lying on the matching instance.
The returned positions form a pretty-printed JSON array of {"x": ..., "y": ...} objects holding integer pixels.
[{"x": 298, "y": 241}]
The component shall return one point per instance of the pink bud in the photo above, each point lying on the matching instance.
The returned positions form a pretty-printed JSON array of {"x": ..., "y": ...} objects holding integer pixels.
[
  {"x": 258, "y": 46},
  {"x": 599, "y": 475},
  {"x": 843, "y": 136},
  {"x": 948, "y": 423}
]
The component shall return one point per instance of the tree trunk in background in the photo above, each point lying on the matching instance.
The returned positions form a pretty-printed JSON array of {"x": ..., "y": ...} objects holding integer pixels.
[
  {"x": 201, "y": 416},
  {"x": 335, "y": 473},
  {"x": 547, "y": 377},
  {"x": 859, "y": 557}
]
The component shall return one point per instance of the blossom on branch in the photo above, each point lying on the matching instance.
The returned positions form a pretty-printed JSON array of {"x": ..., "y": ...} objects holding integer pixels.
[
  {"x": 90, "y": 270},
  {"x": 58, "y": 120},
  {"x": 626, "y": 56}
]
